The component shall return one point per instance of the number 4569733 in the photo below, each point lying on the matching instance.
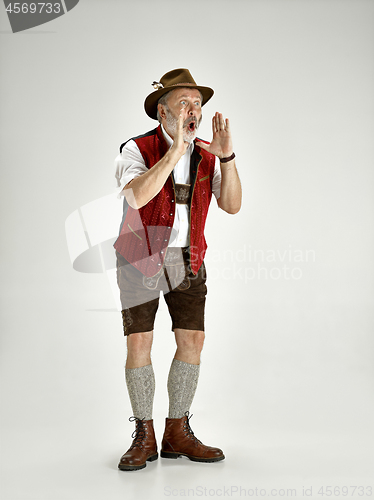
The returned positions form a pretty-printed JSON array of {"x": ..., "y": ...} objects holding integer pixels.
[{"x": 33, "y": 8}]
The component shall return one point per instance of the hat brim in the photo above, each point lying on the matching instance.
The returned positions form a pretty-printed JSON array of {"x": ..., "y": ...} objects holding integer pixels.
[{"x": 150, "y": 104}]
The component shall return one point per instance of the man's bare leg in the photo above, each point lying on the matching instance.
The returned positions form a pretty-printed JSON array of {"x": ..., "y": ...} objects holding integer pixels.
[{"x": 139, "y": 349}]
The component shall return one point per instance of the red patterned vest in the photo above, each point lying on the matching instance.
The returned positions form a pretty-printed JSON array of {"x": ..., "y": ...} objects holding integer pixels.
[{"x": 145, "y": 232}]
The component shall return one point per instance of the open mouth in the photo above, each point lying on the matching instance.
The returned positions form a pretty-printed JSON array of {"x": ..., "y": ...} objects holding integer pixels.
[{"x": 191, "y": 126}]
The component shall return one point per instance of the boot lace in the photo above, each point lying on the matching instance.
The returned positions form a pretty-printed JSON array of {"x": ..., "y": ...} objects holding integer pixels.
[
  {"x": 139, "y": 433},
  {"x": 189, "y": 432}
]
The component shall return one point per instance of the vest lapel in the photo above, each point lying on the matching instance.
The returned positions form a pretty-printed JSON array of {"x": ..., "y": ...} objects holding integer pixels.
[{"x": 194, "y": 166}]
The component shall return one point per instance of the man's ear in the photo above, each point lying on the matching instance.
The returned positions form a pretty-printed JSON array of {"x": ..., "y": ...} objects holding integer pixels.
[{"x": 161, "y": 110}]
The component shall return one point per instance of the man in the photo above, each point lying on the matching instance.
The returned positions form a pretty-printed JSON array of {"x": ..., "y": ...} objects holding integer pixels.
[{"x": 167, "y": 178}]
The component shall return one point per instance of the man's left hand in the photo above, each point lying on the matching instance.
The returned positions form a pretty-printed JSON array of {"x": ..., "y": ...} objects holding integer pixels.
[{"x": 221, "y": 144}]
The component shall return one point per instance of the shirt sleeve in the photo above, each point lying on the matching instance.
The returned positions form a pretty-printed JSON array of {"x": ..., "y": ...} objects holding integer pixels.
[
  {"x": 216, "y": 182},
  {"x": 128, "y": 165}
]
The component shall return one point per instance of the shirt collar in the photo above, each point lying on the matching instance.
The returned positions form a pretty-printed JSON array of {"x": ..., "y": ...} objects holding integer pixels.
[{"x": 170, "y": 141}]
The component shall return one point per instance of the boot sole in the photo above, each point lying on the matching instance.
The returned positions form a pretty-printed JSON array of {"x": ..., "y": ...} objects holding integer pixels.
[
  {"x": 138, "y": 467},
  {"x": 170, "y": 454}
]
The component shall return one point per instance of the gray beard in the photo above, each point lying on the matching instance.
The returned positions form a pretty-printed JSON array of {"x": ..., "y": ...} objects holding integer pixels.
[{"x": 172, "y": 125}]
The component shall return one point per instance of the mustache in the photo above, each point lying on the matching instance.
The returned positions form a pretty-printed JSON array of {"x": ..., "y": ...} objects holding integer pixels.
[{"x": 192, "y": 119}]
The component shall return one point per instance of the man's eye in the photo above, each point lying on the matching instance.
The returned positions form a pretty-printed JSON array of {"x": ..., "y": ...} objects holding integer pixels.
[
  {"x": 197, "y": 103},
  {"x": 183, "y": 102}
]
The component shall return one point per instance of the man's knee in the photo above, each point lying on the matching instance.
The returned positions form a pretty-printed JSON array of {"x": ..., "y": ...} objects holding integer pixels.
[
  {"x": 139, "y": 343},
  {"x": 192, "y": 340}
]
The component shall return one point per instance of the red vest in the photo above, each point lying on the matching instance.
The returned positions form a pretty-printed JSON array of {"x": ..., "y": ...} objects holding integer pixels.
[{"x": 145, "y": 232}]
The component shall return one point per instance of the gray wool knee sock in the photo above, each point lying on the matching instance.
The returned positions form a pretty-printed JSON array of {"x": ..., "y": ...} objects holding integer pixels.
[
  {"x": 141, "y": 386},
  {"x": 182, "y": 383}
]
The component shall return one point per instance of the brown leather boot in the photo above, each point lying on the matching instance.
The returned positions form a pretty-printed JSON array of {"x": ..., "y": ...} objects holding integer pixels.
[
  {"x": 179, "y": 439},
  {"x": 143, "y": 448}
]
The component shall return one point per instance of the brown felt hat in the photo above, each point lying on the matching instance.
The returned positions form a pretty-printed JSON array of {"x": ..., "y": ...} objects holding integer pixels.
[{"x": 176, "y": 78}]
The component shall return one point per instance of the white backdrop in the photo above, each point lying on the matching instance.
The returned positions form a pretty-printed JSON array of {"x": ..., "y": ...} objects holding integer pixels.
[{"x": 286, "y": 386}]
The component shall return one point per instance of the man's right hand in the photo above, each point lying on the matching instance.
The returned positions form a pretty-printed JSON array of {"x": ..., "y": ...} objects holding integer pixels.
[
  {"x": 145, "y": 187},
  {"x": 179, "y": 145}
]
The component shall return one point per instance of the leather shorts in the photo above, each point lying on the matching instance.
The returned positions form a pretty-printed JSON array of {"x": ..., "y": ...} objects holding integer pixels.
[{"x": 184, "y": 293}]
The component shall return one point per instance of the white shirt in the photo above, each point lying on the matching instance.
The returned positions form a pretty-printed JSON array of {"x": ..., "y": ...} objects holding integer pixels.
[{"x": 130, "y": 164}]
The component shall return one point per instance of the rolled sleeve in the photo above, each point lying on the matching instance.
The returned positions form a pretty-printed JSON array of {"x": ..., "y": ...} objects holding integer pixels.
[
  {"x": 128, "y": 165},
  {"x": 216, "y": 182}
]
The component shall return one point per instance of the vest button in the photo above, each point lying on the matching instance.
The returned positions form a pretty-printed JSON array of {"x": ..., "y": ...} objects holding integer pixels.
[{"x": 172, "y": 201}]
